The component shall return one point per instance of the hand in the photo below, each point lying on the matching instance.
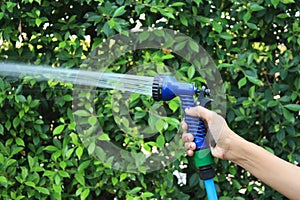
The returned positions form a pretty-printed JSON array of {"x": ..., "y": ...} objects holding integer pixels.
[
  {"x": 277, "y": 173},
  {"x": 216, "y": 128}
]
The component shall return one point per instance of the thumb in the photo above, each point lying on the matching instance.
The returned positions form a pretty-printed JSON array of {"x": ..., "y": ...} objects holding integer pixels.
[{"x": 199, "y": 111}]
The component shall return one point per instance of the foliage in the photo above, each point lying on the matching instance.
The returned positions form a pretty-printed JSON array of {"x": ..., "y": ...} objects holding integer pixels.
[{"x": 255, "y": 45}]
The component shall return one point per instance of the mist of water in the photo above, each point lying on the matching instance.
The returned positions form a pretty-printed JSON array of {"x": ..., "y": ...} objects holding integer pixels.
[{"x": 122, "y": 82}]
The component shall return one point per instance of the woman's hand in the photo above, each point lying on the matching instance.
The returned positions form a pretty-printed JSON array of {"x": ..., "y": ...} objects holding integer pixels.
[
  {"x": 217, "y": 129},
  {"x": 277, "y": 173}
]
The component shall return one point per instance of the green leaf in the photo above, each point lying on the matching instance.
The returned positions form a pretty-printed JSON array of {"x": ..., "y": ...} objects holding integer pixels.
[
  {"x": 92, "y": 120},
  {"x": 91, "y": 148},
  {"x": 287, "y": 1},
  {"x": 8, "y": 125},
  {"x": 147, "y": 194},
  {"x": 159, "y": 125},
  {"x": 254, "y": 80},
  {"x": 57, "y": 179},
  {"x": 1, "y": 129},
  {"x": 293, "y": 107},
  {"x": 194, "y": 180},
  {"x": 275, "y": 3},
  {"x": 217, "y": 26},
  {"x": 114, "y": 180},
  {"x": 193, "y": 45},
  {"x": 1, "y": 15},
  {"x": 79, "y": 191},
  {"x": 82, "y": 113},
  {"x": 104, "y": 137},
  {"x": 64, "y": 174},
  {"x": 167, "y": 13},
  {"x": 50, "y": 148},
  {"x": 119, "y": 11},
  {"x": 38, "y": 21},
  {"x": 183, "y": 20},
  {"x": 174, "y": 105},
  {"x": 242, "y": 82},
  {"x": 250, "y": 59},
  {"x": 84, "y": 165},
  {"x": 49, "y": 173},
  {"x": 43, "y": 190},
  {"x": 30, "y": 162},
  {"x": 3, "y": 181},
  {"x": 11, "y": 162},
  {"x": 272, "y": 103},
  {"x": 143, "y": 36},
  {"x": 256, "y": 7},
  {"x": 247, "y": 16},
  {"x": 79, "y": 177},
  {"x": 198, "y": 2},
  {"x": 226, "y": 36},
  {"x": 79, "y": 152},
  {"x": 160, "y": 141},
  {"x": 58, "y": 129},
  {"x": 63, "y": 165},
  {"x": 85, "y": 194},
  {"x": 283, "y": 15},
  {"x": 68, "y": 97},
  {"x": 269, "y": 149},
  {"x": 280, "y": 135},
  {"x": 16, "y": 150},
  {"x": 30, "y": 183},
  {"x": 252, "y": 92},
  {"x": 180, "y": 45},
  {"x": 123, "y": 176},
  {"x": 252, "y": 26},
  {"x": 225, "y": 198},
  {"x": 69, "y": 153},
  {"x": 177, "y": 4},
  {"x": 10, "y": 6},
  {"x": 24, "y": 172},
  {"x": 288, "y": 116},
  {"x": 191, "y": 72},
  {"x": 205, "y": 20},
  {"x": 135, "y": 190},
  {"x": 236, "y": 184},
  {"x": 16, "y": 122}
]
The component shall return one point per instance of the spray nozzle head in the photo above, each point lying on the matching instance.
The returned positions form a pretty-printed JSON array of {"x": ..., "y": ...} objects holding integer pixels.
[{"x": 166, "y": 87}]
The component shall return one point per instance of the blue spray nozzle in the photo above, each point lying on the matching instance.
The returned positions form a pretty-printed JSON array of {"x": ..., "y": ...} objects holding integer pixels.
[{"x": 166, "y": 87}]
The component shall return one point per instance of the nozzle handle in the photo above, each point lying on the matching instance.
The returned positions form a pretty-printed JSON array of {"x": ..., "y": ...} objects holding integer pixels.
[
  {"x": 195, "y": 124},
  {"x": 202, "y": 156}
]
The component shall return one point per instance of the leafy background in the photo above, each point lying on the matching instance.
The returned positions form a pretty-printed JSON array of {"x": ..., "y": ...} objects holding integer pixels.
[{"x": 255, "y": 45}]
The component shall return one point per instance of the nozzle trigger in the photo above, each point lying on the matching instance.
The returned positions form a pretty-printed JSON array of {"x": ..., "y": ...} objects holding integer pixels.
[{"x": 203, "y": 100}]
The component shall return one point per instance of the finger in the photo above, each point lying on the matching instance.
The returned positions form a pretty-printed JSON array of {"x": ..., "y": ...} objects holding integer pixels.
[
  {"x": 184, "y": 125},
  {"x": 190, "y": 146},
  {"x": 190, "y": 152},
  {"x": 187, "y": 137},
  {"x": 199, "y": 111}
]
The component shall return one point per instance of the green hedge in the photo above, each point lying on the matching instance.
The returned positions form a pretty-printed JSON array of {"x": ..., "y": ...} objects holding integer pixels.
[{"x": 255, "y": 45}]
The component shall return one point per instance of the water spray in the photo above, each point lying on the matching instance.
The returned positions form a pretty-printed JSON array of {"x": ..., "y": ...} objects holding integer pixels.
[{"x": 166, "y": 87}]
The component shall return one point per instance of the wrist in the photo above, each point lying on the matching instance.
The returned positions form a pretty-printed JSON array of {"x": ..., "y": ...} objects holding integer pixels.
[{"x": 235, "y": 147}]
